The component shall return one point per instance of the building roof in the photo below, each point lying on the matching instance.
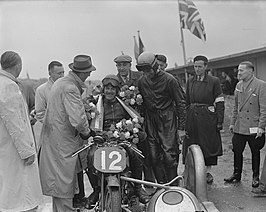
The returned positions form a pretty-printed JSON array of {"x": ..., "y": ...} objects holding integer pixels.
[{"x": 227, "y": 60}]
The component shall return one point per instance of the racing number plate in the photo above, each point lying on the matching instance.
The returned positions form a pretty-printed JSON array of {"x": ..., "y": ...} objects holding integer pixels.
[{"x": 110, "y": 159}]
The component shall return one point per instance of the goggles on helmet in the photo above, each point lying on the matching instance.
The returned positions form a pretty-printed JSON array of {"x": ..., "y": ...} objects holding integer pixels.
[
  {"x": 111, "y": 81},
  {"x": 143, "y": 68}
]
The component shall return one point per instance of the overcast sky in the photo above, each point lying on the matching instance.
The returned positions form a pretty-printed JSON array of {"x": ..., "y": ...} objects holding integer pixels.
[{"x": 42, "y": 31}]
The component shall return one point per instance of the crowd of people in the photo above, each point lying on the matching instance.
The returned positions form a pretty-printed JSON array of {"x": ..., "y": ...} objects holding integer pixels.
[
  {"x": 171, "y": 115},
  {"x": 228, "y": 82}
]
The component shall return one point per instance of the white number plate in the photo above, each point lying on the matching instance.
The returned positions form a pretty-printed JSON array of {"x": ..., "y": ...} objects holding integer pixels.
[{"x": 110, "y": 159}]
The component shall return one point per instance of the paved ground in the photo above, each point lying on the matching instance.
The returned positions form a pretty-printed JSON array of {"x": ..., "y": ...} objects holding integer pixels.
[{"x": 226, "y": 197}]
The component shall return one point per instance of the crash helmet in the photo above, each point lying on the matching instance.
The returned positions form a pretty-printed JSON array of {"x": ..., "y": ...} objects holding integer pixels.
[
  {"x": 147, "y": 61},
  {"x": 111, "y": 79}
]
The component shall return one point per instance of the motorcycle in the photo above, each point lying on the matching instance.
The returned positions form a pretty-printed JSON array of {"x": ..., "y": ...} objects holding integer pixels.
[{"x": 110, "y": 161}]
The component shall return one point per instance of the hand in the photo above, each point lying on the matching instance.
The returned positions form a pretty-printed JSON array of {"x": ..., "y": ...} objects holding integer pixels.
[
  {"x": 181, "y": 134},
  {"x": 142, "y": 135},
  {"x": 32, "y": 120},
  {"x": 32, "y": 117},
  {"x": 259, "y": 132},
  {"x": 219, "y": 127},
  {"x": 93, "y": 133},
  {"x": 29, "y": 160},
  {"x": 85, "y": 136},
  {"x": 231, "y": 128}
]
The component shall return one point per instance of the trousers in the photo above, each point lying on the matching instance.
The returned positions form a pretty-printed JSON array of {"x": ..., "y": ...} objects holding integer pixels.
[
  {"x": 63, "y": 204},
  {"x": 239, "y": 143}
]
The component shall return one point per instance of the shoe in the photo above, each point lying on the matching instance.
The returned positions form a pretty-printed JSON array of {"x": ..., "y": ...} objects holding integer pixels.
[
  {"x": 92, "y": 199},
  {"x": 79, "y": 202},
  {"x": 209, "y": 178},
  {"x": 233, "y": 179},
  {"x": 260, "y": 190},
  {"x": 255, "y": 182},
  {"x": 143, "y": 196}
]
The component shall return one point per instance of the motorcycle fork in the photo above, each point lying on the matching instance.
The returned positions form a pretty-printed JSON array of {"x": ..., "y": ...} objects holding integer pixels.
[
  {"x": 110, "y": 182},
  {"x": 102, "y": 191}
]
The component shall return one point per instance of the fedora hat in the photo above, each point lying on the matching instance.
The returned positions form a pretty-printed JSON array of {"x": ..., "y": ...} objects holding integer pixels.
[{"x": 82, "y": 63}]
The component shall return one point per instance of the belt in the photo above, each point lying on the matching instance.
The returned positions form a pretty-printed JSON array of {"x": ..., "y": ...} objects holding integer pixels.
[{"x": 200, "y": 104}]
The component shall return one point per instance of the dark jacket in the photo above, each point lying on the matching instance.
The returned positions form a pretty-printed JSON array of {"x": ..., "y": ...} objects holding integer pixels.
[{"x": 203, "y": 115}]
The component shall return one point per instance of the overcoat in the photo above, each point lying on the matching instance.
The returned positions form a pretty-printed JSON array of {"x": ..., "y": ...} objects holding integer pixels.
[
  {"x": 203, "y": 116},
  {"x": 250, "y": 106},
  {"x": 64, "y": 120},
  {"x": 20, "y": 188}
]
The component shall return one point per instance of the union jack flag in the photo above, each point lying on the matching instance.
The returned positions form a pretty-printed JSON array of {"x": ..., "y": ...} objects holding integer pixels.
[{"x": 190, "y": 19}]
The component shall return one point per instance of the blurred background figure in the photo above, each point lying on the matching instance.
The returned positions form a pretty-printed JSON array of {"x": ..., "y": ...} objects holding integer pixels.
[{"x": 225, "y": 83}]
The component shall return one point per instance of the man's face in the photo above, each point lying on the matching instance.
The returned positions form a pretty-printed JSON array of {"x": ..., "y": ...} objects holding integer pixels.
[
  {"x": 244, "y": 73},
  {"x": 199, "y": 67},
  {"x": 149, "y": 73},
  {"x": 162, "y": 65},
  {"x": 109, "y": 92},
  {"x": 123, "y": 68},
  {"x": 56, "y": 72}
]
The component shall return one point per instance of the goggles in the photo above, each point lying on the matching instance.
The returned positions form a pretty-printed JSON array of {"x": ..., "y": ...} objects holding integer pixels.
[{"x": 113, "y": 82}]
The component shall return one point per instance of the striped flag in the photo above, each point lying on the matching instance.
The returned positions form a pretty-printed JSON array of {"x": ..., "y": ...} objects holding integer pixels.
[{"x": 190, "y": 19}]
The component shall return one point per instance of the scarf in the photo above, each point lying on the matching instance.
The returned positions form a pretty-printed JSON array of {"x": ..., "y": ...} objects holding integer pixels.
[{"x": 97, "y": 122}]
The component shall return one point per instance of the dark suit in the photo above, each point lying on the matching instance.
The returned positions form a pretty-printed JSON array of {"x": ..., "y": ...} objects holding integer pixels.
[{"x": 249, "y": 111}]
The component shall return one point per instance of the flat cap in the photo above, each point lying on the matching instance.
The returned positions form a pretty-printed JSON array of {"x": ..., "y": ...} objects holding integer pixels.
[
  {"x": 161, "y": 57},
  {"x": 123, "y": 59},
  {"x": 201, "y": 57}
]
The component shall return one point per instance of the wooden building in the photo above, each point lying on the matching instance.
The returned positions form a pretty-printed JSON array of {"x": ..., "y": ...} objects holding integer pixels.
[{"x": 228, "y": 64}]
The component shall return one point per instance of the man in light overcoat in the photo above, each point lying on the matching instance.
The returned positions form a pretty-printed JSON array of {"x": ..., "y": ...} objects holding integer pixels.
[{"x": 64, "y": 128}]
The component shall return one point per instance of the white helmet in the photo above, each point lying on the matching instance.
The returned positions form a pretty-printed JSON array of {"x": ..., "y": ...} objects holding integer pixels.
[{"x": 146, "y": 60}]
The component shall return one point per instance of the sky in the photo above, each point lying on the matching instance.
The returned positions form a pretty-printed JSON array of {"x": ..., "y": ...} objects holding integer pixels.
[{"x": 42, "y": 31}]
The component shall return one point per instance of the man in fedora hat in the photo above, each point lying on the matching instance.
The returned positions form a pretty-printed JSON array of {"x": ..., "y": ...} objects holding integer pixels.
[{"x": 64, "y": 128}]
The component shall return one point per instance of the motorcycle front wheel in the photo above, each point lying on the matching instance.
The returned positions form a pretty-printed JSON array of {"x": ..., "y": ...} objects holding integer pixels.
[{"x": 113, "y": 200}]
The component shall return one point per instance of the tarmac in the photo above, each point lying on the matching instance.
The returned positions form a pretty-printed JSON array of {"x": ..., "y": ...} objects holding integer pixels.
[{"x": 222, "y": 197}]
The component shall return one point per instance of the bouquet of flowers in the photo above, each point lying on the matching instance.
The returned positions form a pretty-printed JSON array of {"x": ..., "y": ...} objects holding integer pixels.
[
  {"x": 128, "y": 130},
  {"x": 90, "y": 108},
  {"x": 131, "y": 96}
]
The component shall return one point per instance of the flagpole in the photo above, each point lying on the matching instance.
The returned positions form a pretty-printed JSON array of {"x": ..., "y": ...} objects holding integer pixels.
[
  {"x": 183, "y": 43},
  {"x": 184, "y": 52}
]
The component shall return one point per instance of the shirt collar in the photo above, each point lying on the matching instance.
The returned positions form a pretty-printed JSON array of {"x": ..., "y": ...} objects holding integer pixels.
[
  {"x": 78, "y": 80},
  {"x": 7, "y": 74}
]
